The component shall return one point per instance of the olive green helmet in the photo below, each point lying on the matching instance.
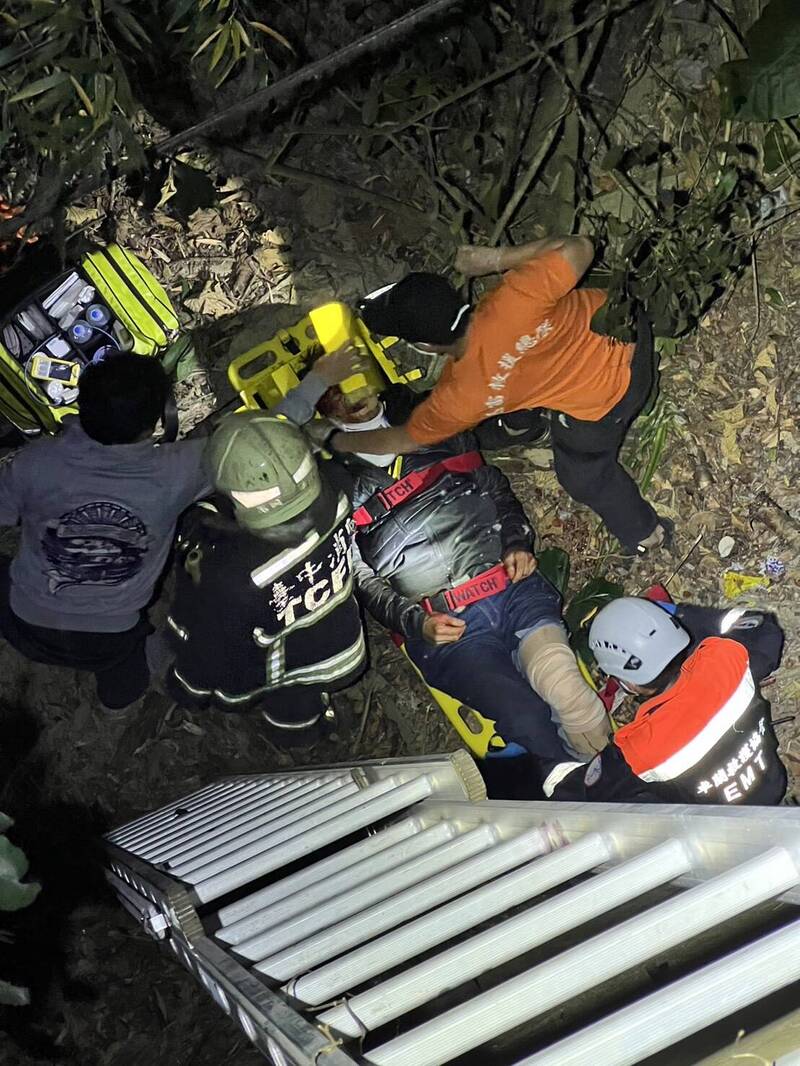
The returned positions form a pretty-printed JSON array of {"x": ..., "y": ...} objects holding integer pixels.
[{"x": 265, "y": 465}]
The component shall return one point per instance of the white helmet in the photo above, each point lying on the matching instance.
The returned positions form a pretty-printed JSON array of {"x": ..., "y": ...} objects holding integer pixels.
[{"x": 634, "y": 639}]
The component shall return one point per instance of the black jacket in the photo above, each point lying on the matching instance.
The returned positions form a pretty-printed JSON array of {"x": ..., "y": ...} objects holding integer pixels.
[
  {"x": 457, "y": 528},
  {"x": 720, "y": 746},
  {"x": 251, "y": 615}
]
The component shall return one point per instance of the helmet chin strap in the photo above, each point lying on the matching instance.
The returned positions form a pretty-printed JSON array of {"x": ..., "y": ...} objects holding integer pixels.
[{"x": 378, "y": 421}]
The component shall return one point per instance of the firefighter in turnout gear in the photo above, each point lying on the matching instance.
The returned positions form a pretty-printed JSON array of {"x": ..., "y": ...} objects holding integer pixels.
[
  {"x": 264, "y": 615},
  {"x": 703, "y": 733}
]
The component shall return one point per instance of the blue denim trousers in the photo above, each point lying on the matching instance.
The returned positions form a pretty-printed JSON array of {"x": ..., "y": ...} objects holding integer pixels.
[{"x": 481, "y": 668}]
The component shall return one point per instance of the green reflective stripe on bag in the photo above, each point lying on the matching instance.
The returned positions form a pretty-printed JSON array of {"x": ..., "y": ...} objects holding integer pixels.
[
  {"x": 147, "y": 334},
  {"x": 146, "y": 284},
  {"x": 132, "y": 297}
]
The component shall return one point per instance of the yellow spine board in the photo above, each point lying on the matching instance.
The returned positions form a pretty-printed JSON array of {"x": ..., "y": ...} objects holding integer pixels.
[
  {"x": 335, "y": 325},
  {"x": 263, "y": 375},
  {"x": 479, "y": 743}
]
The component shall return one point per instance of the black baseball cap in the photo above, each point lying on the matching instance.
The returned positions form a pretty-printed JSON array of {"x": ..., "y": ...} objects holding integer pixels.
[{"x": 422, "y": 308}]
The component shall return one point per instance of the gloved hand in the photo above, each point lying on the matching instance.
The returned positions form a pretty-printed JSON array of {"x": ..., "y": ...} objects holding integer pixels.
[{"x": 319, "y": 431}]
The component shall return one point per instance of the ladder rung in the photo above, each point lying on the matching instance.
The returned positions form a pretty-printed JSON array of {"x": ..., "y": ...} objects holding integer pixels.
[
  {"x": 510, "y": 939},
  {"x": 235, "y": 917},
  {"x": 487, "y": 863},
  {"x": 434, "y": 849},
  {"x": 375, "y": 802},
  {"x": 686, "y": 1006},
  {"x": 583, "y": 967},
  {"x": 485, "y": 903}
]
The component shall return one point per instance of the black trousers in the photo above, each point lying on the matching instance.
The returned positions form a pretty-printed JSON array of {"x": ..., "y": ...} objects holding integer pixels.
[
  {"x": 517, "y": 427},
  {"x": 117, "y": 660},
  {"x": 586, "y": 454}
]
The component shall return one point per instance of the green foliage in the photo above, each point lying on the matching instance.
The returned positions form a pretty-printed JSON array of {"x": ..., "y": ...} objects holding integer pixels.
[
  {"x": 555, "y": 566},
  {"x": 13, "y": 995},
  {"x": 14, "y": 894},
  {"x": 650, "y": 435},
  {"x": 678, "y": 252},
  {"x": 66, "y": 91},
  {"x": 584, "y": 605},
  {"x": 218, "y": 35},
  {"x": 13, "y": 865},
  {"x": 67, "y": 70},
  {"x": 766, "y": 85}
]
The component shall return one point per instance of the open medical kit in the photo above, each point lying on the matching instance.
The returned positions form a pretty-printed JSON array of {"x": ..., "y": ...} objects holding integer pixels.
[{"x": 108, "y": 302}]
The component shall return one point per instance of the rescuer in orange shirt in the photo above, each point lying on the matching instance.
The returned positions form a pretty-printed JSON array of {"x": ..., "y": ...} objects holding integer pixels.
[{"x": 527, "y": 344}]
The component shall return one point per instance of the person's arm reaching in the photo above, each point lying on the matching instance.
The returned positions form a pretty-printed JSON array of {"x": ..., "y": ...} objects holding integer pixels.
[
  {"x": 606, "y": 779},
  {"x": 446, "y": 411},
  {"x": 299, "y": 404},
  {"x": 474, "y": 260},
  {"x": 393, "y": 439}
]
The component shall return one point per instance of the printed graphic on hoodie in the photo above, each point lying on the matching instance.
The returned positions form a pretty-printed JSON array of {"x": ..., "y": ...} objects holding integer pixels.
[{"x": 99, "y": 543}]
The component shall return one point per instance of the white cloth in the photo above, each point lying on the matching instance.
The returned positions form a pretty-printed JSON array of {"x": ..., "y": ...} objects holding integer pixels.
[{"x": 378, "y": 421}]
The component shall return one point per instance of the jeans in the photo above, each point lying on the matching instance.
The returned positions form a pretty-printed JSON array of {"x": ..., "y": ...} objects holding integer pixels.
[
  {"x": 480, "y": 669},
  {"x": 586, "y": 454},
  {"x": 117, "y": 660}
]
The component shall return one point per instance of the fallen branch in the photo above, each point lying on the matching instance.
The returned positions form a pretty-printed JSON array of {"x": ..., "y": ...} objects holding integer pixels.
[
  {"x": 321, "y": 68},
  {"x": 370, "y": 692},
  {"x": 534, "y": 56},
  {"x": 730, "y": 24},
  {"x": 528, "y": 179},
  {"x": 683, "y": 561},
  {"x": 756, "y": 296}
]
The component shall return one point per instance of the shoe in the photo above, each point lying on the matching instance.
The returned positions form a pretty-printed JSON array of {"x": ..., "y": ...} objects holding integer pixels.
[
  {"x": 663, "y": 536},
  {"x": 154, "y": 699},
  {"x": 666, "y": 540},
  {"x": 294, "y": 738},
  {"x": 121, "y": 714}
]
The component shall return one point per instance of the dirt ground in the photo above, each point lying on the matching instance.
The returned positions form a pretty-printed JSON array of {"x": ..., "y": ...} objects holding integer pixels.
[{"x": 103, "y": 994}]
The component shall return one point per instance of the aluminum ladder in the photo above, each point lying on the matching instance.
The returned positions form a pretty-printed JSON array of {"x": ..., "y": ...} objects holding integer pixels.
[{"x": 386, "y": 913}]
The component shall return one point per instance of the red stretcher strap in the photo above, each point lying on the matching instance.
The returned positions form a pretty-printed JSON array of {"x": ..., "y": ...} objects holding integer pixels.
[
  {"x": 408, "y": 487},
  {"x": 489, "y": 583}
]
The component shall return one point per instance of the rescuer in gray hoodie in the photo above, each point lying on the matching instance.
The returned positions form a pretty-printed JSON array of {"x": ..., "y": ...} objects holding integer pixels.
[{"x": 98, "y": 507}]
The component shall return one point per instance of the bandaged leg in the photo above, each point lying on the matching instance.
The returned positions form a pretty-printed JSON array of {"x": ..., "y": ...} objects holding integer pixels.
[{"x": 549, "y": 664}]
